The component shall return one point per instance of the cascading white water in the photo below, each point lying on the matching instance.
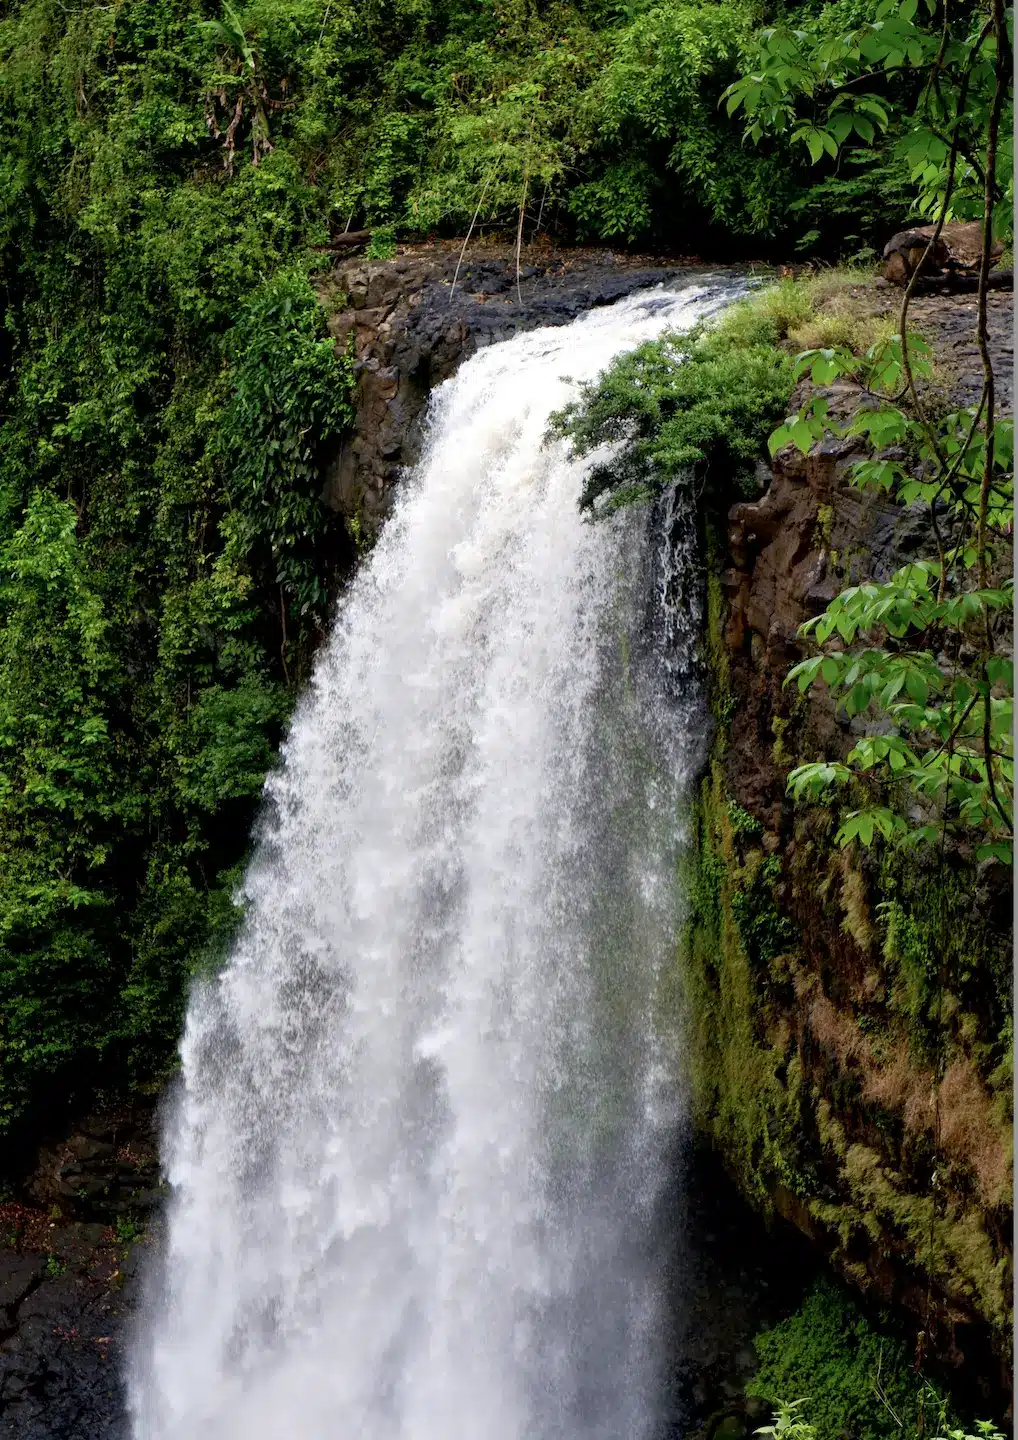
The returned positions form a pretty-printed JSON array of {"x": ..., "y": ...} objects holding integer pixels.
[{"x": 425, "y": 1109}]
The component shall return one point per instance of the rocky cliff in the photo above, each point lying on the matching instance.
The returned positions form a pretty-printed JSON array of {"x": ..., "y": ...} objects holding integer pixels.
[{"x": 850, "y": 1016}]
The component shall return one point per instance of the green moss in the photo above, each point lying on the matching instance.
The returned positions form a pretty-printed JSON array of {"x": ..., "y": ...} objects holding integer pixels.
[
  {"x": 764, "y": 930},
  {"x": 858, "y": 921},
  {"x": 746, "y": 1084},
  {"x": 779, "y": 753},
  {"x": 945, "y": 958},
  {"x": 910, "y": 960},
  {"x": 722, "y": 702},
  {"x": 1001, "y": 1078},
  {"x": 825, "y": 524},
  {"x": 951, "y": 1242}
]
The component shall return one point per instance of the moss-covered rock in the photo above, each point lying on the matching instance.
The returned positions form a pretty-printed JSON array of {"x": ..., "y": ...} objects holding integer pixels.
[{"x": 848, "y": 1017}]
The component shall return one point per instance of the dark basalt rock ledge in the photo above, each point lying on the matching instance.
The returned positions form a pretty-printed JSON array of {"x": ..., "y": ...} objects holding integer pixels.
[{"x": 410, "y": 327}]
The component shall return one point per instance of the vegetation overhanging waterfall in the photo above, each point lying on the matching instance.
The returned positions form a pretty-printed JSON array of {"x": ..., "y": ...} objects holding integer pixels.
[{"x": 426, "y": 1109}]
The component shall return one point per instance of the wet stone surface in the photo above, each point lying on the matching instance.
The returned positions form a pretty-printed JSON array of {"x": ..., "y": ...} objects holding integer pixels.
[
  {"x": 73, "y": 1245},
  {"x": 734, "y": 1276},
  {"x": 411, "y": 321},
  {"x": 949, "y": 323}
]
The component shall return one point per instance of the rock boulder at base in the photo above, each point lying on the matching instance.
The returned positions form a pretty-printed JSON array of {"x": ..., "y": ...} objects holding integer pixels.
[{"x": 957, "y": 247}]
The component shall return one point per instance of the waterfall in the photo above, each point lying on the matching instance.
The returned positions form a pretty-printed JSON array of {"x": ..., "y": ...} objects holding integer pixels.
[{"x": 425, "y": 1110}]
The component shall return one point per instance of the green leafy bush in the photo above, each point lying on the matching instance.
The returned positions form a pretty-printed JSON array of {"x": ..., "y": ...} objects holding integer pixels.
[
  {"x": 699, "y": 402},
  {"x": 62, "y": 802},
  {"x": 790, "y": 1423},
  {"x": 290, "y": 402},
  {"x": 951, "y": 709},
  {"x": 856, "y": 1378}
]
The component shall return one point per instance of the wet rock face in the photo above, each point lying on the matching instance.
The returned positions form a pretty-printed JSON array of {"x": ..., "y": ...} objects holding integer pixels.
[
  {"x": 410, "y": 328},
  {"x": 61, "y": 1358},
  {"x": 950, "y": 326},
  {"x": 734, "y": 1276},
  {"x": 71, "y": 1247},
  {"x": 789, "y": 553}
]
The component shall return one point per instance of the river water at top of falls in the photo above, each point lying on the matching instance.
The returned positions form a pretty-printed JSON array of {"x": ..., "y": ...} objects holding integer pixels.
[{"x": 426, "y": 1109}]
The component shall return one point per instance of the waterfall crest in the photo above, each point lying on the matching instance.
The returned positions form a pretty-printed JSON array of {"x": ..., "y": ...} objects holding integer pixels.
[{"x": 425, "y": 1109}]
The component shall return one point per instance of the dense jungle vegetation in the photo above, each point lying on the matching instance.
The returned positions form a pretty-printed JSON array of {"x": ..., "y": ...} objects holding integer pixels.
[{"x": 171, "y": 174}]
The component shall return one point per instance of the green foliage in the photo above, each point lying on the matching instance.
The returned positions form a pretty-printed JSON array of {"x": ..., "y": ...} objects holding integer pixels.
[
  {"x": 659, "y": 94},
  {"x": 701, "y": 403},
  {"x": 290, "y": 402},
  {"x": 788, "y": 1423},
  {"x": 698, "y": 403},
  {"x": 932, "y": 664},
  {"x": 856, "y": 1375},
  {"x": 984, "y": 1430},
  {"x": 382, "y": 245},
  {"x": 128, "y": 1229},
  {"x": 742, "y": 822},
  {"x": 915, "y": 965},
  {"x": 833, "y": 83},
  {"x": 62, "y": 804},
  {"x": 941, "y": 680},
  {"x": 169, "y": 394}
]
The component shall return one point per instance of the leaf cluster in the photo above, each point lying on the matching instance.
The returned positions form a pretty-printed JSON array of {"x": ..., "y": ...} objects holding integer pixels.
[
  {"x": 938, "y": 678},
  {"x": 855, "y": 1371},
  {"x": 694, "y": 404},
  {"x": 169, "y": 397},
  {"x": 910, "y": 76}
]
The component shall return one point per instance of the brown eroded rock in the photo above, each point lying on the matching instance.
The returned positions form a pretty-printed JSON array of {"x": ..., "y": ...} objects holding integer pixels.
[{"x": 959, "y": 246}]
